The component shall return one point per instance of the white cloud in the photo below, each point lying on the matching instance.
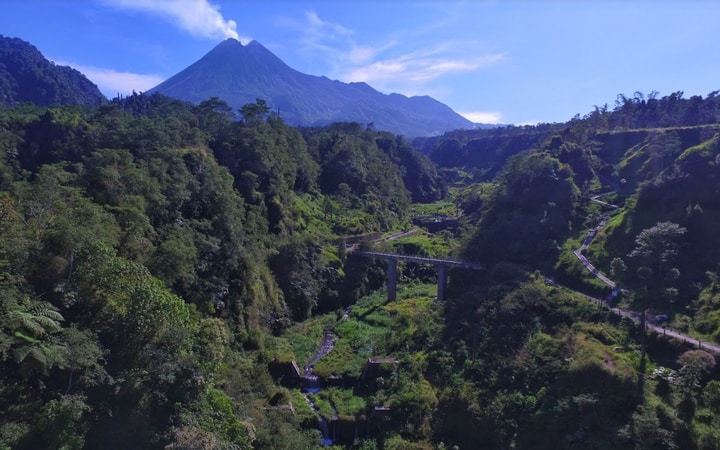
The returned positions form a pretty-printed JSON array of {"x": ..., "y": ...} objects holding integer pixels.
[
  {"x": 415, "y": 68},
  {"x": 321, "y": 27},
  {"x": 198, "y": 17},
  {"x": 388, "y": 66},
  {"x": 111, "y": 82},
  {"x": 361, "y": 55},
  {"x": 482, "y": 117}
]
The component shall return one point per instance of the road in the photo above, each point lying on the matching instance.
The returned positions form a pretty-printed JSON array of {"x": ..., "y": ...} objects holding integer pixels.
[
  {"x": 391, "y": 237},
  {"x": 398, "y": 235},
  {"x": 588, "y": 239},
  {"x": 659, "y": 329},
  {"x": 633, "y": 315}
]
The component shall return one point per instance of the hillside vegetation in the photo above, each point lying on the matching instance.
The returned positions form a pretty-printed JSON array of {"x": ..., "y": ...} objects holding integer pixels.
[
  {"x": 164, "y": 264},
  {"x": 26, "y": 76}
]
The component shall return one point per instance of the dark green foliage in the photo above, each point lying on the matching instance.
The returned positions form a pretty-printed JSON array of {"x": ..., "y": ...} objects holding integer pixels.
[
  {"x": 530, "y": 214},
  {"x": 298, "y": 268},
  {"x": 269, "y": 161},
  {"x": 359, "y": 174},
  {"x": 419, "y": 174},
  {"x": 134, "y": 266},
  {"x": 26, "y": 76},
  {"x": 156, "y": 256},
  {"x": 61, "y": 424}
]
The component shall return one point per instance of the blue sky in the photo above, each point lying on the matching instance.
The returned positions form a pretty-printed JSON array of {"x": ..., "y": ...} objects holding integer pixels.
[{"x": 495, "y": 61}]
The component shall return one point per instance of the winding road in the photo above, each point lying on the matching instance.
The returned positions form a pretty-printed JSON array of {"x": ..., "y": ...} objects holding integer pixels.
[{"x": 633, "y": 315}]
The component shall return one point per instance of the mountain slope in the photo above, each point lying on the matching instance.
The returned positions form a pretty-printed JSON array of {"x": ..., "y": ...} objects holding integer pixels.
[
  {"x": 27, "y": 76},
  {"x": 241, "y": 74}
]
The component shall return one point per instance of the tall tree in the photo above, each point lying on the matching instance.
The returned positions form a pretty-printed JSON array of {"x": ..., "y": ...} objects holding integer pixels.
[{"x": 655, "y": 247}]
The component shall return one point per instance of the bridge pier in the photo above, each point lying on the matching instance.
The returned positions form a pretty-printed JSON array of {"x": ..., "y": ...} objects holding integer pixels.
[
  {"x": 392, "y": 280},
  {"x": 442, "y": 281},
  {"x": 441, "y": 264}
]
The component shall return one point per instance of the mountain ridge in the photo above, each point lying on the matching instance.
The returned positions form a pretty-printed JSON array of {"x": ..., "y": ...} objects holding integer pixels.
[
  {"x": 240, "y": 74},
  {"x": 27, "y": 76}
]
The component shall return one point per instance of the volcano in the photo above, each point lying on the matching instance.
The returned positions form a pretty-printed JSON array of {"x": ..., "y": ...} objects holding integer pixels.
[{"x": 240, "y": 74}]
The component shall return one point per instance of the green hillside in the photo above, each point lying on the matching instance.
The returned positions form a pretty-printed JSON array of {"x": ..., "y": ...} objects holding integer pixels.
[
  {"x": 168, "y": 273},
  {"x": 27, "y": 76}
]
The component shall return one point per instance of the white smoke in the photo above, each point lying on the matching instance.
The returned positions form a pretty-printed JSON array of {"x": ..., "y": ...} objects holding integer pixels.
[{"x": 198, "y": 17}]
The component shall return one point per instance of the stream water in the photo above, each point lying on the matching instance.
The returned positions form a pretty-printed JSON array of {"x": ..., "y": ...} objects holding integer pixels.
[
  {"x": 325, "y": 440},
  {"x": 311, "y": 384}
]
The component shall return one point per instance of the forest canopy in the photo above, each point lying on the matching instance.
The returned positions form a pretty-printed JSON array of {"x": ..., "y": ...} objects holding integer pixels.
[{"x": 162, "y": 264}]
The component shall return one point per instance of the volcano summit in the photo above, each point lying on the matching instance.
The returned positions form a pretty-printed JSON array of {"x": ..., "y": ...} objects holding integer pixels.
[{"x": 241, "y": 74}]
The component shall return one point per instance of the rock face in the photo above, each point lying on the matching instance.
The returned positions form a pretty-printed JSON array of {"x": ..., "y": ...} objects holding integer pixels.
[
  {"x": 27, "y": 76},
  {"x": 241, "y": 74}
]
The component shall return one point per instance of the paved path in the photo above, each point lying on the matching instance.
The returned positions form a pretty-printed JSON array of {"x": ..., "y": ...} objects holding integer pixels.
[
  {"x": 659, "y": 329},
  {"x": 398, "y": 235},
  {"x": 578, "y": 254},
  {"x": 391, "y": 237},
  {"x": 588, "y": 239},
  {"x": 635, "y": 316}
]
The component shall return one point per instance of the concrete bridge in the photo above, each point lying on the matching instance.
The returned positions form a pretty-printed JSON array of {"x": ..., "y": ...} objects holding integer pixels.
[{"x": 442, "y": 265}]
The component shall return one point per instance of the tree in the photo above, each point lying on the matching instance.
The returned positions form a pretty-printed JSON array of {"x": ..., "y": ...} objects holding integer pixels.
[
  {"x": 617, "y": 267},
  {"x": 33, "y": 327},
  {"x": 655, "y": 248},
  {"x": 695, "y": 365},
  {"x": 298, "y": 267},
  {"x": 255, "y": 112},
  {"x": 61, "y": 424},
  {"x": 656, "y": 245}
]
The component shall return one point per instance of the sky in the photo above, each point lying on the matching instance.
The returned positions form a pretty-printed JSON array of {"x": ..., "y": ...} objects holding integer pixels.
[{"x": 493, "y": 61}]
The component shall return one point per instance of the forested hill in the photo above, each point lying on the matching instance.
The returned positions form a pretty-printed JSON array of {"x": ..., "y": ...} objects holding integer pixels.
[
  {"x": 656, "y": 154},
  {"x": 484, "y": 148},
  {"x": 144, "y": 242},
  {"x": 632, "y": 191},
  {"x": 27, "y": 76},
  {"x": 166, "y": 268}
]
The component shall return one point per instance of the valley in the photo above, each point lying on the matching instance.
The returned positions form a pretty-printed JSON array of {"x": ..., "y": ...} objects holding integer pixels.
[{"x": 196, "y": 275}]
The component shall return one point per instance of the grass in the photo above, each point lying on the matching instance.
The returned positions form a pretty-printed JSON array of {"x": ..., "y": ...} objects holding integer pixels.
[
  {"x": 330, "y": 257},
  {"x": 705, "y": 150},
  {"x": 302, "y": 409},
  {"x": 323, "y": 405},
  {"x": 608, "y": 355},
  {"x": 299, "y": 343},
  {"x": 310, "y": 210},
  {"x": 344, "y": 359},
  {"x": 426, "y": 244},
  {"x": 416, "y": 309},
  {"x": 345, "y": 402},
  {"x": 278, "y": 349},
  {"x": 442, "y": 207},
  {"x": 359, "y": 337},
  {"x": 370, "y": 325}
]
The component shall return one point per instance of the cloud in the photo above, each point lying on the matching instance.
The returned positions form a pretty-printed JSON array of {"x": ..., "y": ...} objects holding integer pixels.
[
  {"x": 482, "y": 117},
  {"x": 327, "y": 29},
  {"x": 111, "y": 82},
  {"x": 390, "y": 63},
  {"x": 198, "y": 17},
  {"x": 364, "y": 54},
  {"x": 415, "y": 68}
]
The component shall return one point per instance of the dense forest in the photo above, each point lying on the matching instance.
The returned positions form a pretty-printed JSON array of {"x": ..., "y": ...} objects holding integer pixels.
[
  {"x": 26, "y": 76},
  {"x": 168, "y": 268}
]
